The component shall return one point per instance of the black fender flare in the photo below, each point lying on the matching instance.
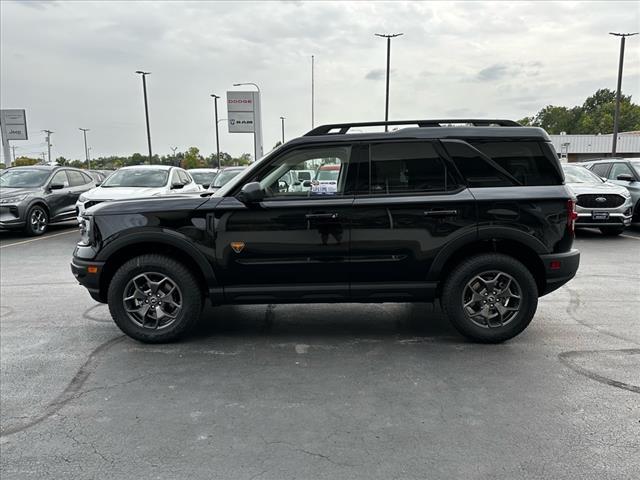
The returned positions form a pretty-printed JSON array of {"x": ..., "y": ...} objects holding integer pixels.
[
  {"x": 165, "y": 237},
  {"x": 481, "y": 235}
]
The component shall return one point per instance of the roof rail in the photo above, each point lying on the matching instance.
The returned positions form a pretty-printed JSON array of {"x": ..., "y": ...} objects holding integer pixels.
[{"x": 341, "y": 128}]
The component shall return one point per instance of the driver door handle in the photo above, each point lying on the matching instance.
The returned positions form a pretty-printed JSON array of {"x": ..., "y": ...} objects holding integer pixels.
[
  {"x": 321, "y": 216},
  {"x": 441, "y": 213}
]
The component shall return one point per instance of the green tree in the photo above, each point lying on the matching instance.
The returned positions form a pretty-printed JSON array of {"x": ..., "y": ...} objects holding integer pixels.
[
  {"x": 25, "y": 161},
  {"x": 192, "y": 159}
]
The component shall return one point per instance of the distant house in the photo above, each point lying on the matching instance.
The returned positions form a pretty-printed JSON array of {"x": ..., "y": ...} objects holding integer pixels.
[{"x": 581, "y": 148}]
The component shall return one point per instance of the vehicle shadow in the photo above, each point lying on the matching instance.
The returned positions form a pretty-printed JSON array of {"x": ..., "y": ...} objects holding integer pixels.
[{"x": 326, "y": 321}]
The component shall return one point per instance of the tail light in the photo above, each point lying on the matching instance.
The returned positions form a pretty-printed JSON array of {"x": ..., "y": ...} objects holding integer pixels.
[{"x": 572, "y": 215}]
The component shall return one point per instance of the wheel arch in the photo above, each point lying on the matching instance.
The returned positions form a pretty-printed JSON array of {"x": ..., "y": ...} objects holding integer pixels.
[
  {"x": 524, "y": 252},
  {"x": 117, "y": 253}
]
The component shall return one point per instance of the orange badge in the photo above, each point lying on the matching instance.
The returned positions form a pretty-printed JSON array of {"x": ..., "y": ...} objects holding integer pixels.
[{"x": 237, "y": 246}]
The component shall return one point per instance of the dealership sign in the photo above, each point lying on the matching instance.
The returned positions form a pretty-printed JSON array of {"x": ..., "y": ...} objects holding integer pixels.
[
  {"x": 243, "y": 114},
  {"x": 14, "y": 124}
]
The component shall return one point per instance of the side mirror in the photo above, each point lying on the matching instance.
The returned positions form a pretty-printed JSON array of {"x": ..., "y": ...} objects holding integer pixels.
[
  {"x": 252, "y": 192},
  {"x": 306, "y": 184},
  {"x": 56, "y": 186},
  {"x": 177, "y": 185},
  {"x": 98, "y": 184},
  {"x": 625, "y": 177}
]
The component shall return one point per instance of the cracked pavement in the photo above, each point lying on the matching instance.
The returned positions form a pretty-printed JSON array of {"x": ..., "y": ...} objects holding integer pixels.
[{"x": 375, "y": 391}]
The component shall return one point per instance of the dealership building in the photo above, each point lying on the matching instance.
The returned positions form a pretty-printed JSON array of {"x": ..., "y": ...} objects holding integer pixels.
[{"x": 582, "y": 148}]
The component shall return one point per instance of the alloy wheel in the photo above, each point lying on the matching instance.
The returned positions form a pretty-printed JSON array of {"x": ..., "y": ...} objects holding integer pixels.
[
  {"x": 152, "y": 300},
  {"x": 38, "y": 220},
  {"x": 491, "y": 299}
]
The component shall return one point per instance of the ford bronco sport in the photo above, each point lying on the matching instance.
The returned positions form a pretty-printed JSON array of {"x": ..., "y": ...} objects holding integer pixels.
[{"x": 474, "y": 213}]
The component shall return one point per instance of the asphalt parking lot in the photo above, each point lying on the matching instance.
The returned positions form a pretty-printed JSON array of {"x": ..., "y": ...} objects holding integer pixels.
[{"x": 319, "y": 391}]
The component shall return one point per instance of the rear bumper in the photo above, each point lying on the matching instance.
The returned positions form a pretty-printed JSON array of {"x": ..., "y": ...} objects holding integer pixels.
[
  {"x": 87, "y": 277},
  {"x": 559, "y": 269}
]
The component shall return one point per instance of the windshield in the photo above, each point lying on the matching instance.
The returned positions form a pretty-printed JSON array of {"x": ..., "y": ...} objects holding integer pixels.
[
  {"x": 224, "y": 176},
  {"x": 24, "y": 178},
  {"x": 203, "y": 178},
  {"x": 580, "y": 175},
  {"x": 137, "y": 177},
  {"x": 328, "y": 175}
]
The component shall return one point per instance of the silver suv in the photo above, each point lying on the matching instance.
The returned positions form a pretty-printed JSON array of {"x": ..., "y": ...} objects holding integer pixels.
[
  {"x": 599, "y": 204},
  {"x": 624, "y": 172}
]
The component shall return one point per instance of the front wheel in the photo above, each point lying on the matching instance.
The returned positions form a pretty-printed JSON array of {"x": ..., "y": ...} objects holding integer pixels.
[
  {"x": 611, "y": 231},
  {"x": 490, "y": 298},
  {"x": 37, "y": 221},
  {"x": 154, "y": 299}
]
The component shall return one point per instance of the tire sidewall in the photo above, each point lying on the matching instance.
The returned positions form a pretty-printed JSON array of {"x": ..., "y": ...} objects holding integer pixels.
[
  {"x": 28, "y": 226},
  {"x": 463, "y": 273},
  {"x": 191, "y": 298}
]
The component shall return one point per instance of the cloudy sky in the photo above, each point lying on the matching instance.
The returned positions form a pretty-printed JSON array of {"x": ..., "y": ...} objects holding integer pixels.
[{"x": 71, "y": 64}]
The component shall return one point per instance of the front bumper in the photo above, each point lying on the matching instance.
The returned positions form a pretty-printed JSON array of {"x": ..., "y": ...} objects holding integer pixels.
[
  {"x": 559, "y": 269},
  {"x": 87, "y": 272},
  {"x": 12, "y": 217},
  {"x": 617, "y": 217}
]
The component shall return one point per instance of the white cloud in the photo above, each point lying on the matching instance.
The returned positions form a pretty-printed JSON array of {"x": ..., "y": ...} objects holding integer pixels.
[{"x": 71, "y": 64}]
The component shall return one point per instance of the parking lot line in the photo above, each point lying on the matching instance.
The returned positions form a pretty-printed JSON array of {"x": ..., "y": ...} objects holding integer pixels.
[{"x": 36, "y": 239}]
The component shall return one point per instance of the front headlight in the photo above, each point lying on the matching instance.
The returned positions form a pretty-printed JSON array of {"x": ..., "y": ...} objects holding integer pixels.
[
  {"x": 82, "y": 198},
  {"x": 86, "y": 230},
  {"x": 626, "y": 194},
  {"x": 14, "y": 199}
]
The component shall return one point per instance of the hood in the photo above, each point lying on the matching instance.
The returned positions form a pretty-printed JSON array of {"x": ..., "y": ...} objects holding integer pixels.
[
  {"x": 121, "y": 193},
  {"x": 13, "y": 192},
  {"x": 163, "y": 203},
  {"x": 596, "y": 188}
]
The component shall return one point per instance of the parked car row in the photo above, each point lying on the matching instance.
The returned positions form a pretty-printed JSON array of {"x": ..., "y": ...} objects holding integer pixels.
[{"x": 31, "y": 198}]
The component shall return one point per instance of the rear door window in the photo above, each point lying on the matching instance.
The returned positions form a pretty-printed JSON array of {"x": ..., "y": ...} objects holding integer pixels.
[
  {"x": 601, "y": 169},
  {"x": 76, "y": 178},
  {"x": 474, "y": 168},
  {"x": 408, "y": 167},
  {"x": 61, "y": 178},
  {"x": 530, "y": 163}
]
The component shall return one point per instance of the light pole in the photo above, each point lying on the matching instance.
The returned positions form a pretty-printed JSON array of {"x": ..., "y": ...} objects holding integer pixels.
[
  {"x": 388, "y": 37},
  {"x": 13, "y": 148},
  {"x": 616, "y": 118},
  {"x": 215, "y": 112},
  {"x": 257, "y": 124},
  {"x": 282, "y": 121},
  {"x": 86, "y": 150},
  {"x": 89, "y": 154},
  {"x": 312, "y": 91},
  {"x": 146, "y": 109},
  {"x": 48, "y": 132},
  {"x": 173, "y": 149}
]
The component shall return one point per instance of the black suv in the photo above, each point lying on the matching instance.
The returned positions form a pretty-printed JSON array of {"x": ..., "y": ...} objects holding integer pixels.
[{"x": 476, "y": 215}]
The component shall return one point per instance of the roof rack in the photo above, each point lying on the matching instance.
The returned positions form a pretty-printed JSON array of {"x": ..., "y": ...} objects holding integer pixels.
[{"x": 342, "y": 128}]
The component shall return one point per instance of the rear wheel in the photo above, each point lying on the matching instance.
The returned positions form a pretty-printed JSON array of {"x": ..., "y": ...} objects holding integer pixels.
[
  {"x": 490, "y": 298},
  {"x": 154, "y": 299},
  {"x": 37, "y": 221},
  {"x": 611, "y": 231}
]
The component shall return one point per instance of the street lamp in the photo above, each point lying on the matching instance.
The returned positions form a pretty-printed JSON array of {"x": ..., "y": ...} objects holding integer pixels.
[
  {"x": 48, "y": 132},
  {"x": 86, "y": 151},
  {"x": 257, "y": 122},
  {"x": 215, "y": 109},
  {"x": 146, "y": 109},
  {"x": 388, "y": 37},
  {"x": 282, "y": 121},
  {"x": 173, "y": 149},
  {"x": 616, "y": 118}
]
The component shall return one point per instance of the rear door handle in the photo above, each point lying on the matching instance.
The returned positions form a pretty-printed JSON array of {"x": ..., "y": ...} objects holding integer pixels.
[
  {"x": 441, "y": 213},
  {"x": 321, "y": 216}
]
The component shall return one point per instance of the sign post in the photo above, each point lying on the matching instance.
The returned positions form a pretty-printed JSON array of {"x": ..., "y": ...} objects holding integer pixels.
[
  {"x": 244, "y": 116},
  {"x": 13, "y": 126}
]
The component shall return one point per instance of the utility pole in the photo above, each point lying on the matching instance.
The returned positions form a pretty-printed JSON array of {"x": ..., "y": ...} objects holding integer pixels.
[
  {"x": 282, "y": 121},
  {"x": 312, "y": 91},
  {"x": 48, "y": 132},
  {"x": 13, "y": 148},
  {"x": 86, "y": 150},
  {"x": 388, "y": 37},
  {"x": 173, "y": 149},
  {"x": 616, "y": 118},
  {"x": 146, "y": 110},
  {"x": 44, "y": 157},
  {"x": 215, "y": 114}
]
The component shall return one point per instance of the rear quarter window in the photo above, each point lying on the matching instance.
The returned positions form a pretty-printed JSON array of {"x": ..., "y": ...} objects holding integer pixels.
[{"x": 529, "y": 162}]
